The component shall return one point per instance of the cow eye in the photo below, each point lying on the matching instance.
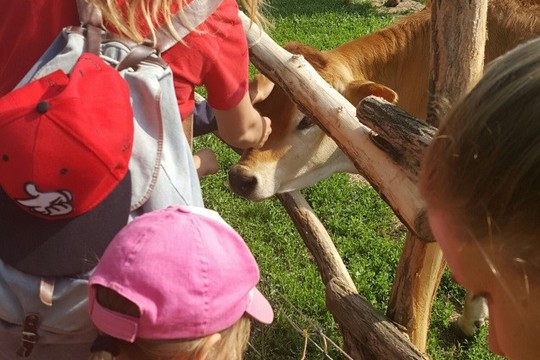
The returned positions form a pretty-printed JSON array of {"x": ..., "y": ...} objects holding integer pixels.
[{"x": 305, "y": 123}]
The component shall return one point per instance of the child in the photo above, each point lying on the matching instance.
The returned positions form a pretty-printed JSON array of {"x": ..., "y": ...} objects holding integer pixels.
[
  {"x": 215, "y": 55},
  {"x": 205, "y": 162},
  {"x": 481, "y": 183},
  {"x": 176, "y": 283}
]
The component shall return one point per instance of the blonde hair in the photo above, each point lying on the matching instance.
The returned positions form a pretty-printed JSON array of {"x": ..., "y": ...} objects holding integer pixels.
[
  {"x": 483, "y": 167},
  {"x": 127, "y": 19},
  {"x": 231, "y": 346}
]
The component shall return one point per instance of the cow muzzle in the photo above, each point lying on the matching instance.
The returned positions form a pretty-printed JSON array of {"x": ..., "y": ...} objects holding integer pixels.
[{"x": 243, "y": 182}]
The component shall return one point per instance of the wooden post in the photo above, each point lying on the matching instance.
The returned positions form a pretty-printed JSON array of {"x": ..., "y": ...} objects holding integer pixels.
[
  {"x": 457, "y": 64},
  {"x": 420, "y": 266},
  {"x": 417, "y": 279},
  {"x": 457, "y": 57}
]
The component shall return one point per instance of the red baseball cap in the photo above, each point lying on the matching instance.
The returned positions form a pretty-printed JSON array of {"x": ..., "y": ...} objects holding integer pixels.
[
  {"x": 65, "y": 146},
  {"x": 188, "y": 271}
]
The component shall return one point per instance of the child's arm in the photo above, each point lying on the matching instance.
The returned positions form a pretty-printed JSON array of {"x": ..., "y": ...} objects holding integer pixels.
[{"x": 242, "y": 126}]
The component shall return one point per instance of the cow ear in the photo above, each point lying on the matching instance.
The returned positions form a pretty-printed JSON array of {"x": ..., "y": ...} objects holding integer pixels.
[
  {"x": 312, "y": 55},
  {"x": 259, "y": 88},
  {"x": 359, "y": 89}
]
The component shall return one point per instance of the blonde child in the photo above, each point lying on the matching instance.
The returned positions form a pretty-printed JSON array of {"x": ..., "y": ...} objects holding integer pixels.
[
  {"x": 177, "y": 283},
  {"x": 481, "y": 183},
  {"x": 214, "y": 56}
]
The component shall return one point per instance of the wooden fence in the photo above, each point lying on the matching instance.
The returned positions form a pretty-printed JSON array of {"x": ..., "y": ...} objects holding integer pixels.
[{"x": 457, "y": 61}]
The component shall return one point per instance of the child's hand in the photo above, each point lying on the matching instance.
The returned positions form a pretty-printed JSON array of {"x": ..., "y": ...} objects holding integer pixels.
[
  {"x": 205, "y": 162},
  {"x": 266, "y": 131}
]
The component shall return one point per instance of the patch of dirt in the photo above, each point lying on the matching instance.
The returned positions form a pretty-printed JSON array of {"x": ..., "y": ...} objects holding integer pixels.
[
  {"x": 358, "y": 178},
  {"x": 404, "y": 7}
]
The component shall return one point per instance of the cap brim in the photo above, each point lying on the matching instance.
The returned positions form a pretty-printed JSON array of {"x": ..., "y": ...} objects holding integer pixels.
[
  {"x": 65, "y": 247},
  {"x": 259, "y": 308}
]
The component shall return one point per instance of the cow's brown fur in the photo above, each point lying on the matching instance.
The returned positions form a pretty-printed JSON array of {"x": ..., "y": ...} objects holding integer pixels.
[{"x": 392, "y": 63}]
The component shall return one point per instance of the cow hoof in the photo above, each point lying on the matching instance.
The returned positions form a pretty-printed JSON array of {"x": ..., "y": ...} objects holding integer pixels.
[{"x": 465, "y": 328}]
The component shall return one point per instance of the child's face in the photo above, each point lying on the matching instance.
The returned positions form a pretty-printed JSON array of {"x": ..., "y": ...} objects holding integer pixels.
[{"x": 483, "y": 269}]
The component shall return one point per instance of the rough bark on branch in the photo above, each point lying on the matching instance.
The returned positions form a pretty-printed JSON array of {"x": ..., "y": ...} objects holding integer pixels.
[
  {"x": 379, "y": 335},
  {"x": 368, "y": 334},
  {"x": 402, "y": 136}
]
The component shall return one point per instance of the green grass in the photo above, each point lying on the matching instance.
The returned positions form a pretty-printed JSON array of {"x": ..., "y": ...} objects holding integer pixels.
[{"x": 366, "y": 233}]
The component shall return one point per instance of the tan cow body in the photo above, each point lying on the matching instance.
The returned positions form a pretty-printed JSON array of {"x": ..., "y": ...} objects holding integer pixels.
[{"x": 392, "y": 63}]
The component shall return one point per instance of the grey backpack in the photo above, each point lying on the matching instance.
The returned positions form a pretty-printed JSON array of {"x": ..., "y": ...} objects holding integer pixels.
[{"x": 46, "y": 317}]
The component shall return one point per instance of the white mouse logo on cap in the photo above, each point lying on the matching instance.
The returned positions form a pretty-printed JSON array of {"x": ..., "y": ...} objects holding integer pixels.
[{"x": 51, "y": 203}]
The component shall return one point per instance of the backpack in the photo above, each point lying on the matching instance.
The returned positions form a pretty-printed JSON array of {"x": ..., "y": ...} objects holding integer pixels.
[{"x": 43, "y": 307}]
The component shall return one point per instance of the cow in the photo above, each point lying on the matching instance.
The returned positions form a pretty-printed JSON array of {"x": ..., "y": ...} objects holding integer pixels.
[{"x": 392, "y": 63}]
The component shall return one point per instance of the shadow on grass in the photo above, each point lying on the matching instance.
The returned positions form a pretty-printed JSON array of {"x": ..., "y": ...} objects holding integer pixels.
[
  {"x": 313, "y": 7},
  {"x": 280, "y": 341}
]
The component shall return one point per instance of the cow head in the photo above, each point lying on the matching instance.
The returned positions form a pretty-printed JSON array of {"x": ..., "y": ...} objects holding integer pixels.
[{"x": 298, "y": 153}]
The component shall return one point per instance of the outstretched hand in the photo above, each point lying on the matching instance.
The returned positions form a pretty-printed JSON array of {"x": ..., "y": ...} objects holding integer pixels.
[{"x": 266, "y": 131}]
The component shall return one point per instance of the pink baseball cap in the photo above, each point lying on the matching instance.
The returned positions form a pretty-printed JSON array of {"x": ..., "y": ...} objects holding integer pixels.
[{"x": 189, "y": 273}]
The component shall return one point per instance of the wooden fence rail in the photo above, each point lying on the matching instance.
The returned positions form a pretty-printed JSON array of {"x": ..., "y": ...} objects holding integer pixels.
[{"x": 386, "y": 147}]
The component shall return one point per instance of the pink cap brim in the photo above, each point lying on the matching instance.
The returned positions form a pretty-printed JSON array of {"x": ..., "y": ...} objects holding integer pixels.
[{"x": 259, "y": 308}]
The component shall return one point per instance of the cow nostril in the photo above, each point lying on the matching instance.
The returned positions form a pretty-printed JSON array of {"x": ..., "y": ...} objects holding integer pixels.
[{"x": 241, "y": 183}]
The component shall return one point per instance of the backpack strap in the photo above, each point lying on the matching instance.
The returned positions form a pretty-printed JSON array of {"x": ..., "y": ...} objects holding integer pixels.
[
  {"x": 29, "y": 335},
  {"x": 90, "y": 16}
]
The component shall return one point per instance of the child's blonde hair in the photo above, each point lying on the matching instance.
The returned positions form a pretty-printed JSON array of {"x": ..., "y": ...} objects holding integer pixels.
[
  {"x": 483, "y": 167},
  {"x": 232, "y": 345},
  {"x": 127, "y": 18}
]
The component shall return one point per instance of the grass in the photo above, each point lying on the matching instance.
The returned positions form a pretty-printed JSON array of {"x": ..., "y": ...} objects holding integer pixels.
[{"x": 366, "y": 233}]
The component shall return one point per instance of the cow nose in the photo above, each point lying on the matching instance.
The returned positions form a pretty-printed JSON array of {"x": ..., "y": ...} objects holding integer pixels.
[{"x": 241, "y": 181}]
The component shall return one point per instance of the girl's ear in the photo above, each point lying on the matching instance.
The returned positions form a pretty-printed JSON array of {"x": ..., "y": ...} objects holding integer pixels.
[{"x": 210, "y": 342}]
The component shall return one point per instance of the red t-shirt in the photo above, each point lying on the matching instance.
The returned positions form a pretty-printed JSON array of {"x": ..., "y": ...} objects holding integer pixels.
[{"x": 216, "y": 58}]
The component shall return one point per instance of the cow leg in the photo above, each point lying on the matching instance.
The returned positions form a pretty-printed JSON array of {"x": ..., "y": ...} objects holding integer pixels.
[
  {"x": 475, "y": 313},
  {"x": 417, "y": 279}
]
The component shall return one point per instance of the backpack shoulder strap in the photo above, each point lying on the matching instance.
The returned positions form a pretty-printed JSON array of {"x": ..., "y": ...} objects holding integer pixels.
[{"x": 89, "y": 14}]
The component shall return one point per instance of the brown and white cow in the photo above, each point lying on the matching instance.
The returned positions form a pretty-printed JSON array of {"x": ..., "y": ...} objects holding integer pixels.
[{"x": 392, "y": 63}]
